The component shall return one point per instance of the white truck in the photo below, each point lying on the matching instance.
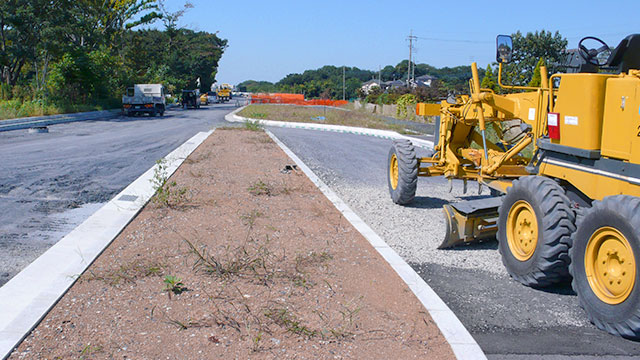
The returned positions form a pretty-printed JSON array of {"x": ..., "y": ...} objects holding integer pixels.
[{"x": 144, "y": 98}]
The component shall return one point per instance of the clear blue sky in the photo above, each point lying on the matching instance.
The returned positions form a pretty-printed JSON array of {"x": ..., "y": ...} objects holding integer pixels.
[{"x": 270, "y": 39}]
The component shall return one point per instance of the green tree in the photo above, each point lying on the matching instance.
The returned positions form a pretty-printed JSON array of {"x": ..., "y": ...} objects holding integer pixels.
[
  {"x": 527, "y": 50},
  {"x": 536, "y": 79},
  {"x": 489, "y": 81}
]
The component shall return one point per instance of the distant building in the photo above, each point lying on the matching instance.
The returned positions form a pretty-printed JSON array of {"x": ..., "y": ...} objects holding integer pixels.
[
  {"x": 393, "y": 84},
  {"x": 424, "y": 81},
  {"x": 367, "y": 86}
]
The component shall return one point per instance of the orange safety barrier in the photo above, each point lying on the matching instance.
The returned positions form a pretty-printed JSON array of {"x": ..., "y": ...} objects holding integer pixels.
[{"x": 295, "y": 99}]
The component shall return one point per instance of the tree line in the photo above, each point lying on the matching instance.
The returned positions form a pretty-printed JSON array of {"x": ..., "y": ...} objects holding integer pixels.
[
  {"x": 89, "y": 51},
  {"x": 326, "y": 82}
]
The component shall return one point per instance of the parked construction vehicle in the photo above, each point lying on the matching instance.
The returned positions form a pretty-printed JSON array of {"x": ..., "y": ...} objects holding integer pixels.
[
  {"x": 144, "y": 98},
  {"x": 571, "y": 208},
  {"x": 223, "y": 92}
]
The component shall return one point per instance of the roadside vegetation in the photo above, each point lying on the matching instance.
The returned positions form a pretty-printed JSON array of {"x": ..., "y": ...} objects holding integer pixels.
[
  {"x": 69, "y": 56},
  {"x": 320, "y": 115},
  {"x": 326, "y": 82}
]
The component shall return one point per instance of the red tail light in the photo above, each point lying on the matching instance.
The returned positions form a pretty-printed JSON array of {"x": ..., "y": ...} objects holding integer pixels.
[{"x": 553, "y": 125}]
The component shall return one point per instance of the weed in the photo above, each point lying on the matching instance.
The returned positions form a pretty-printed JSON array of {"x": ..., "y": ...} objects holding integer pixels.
[
  {"x": 128, "y": 273},
  {"x": 253, "y": 126},
  {"x": 260, "y": 188},
  {"x": 287, "y": 320},
  {"x": 313, "y": 258},
  {"x": 348, "y": 313},
  {"x": 256, "y": 342},
  {"x": 249, "y": 219},
  {"x": 167, "y": 193},
  {"x": 189, "y": 324},
  {"x": 89, "y": 350},
  {"x": 173, "y": 284},
  {"x": 241, "y": 261}
]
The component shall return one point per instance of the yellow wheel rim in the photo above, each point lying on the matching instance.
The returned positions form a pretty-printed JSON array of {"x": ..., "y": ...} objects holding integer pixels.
[
  {"x": 610, "y": 265},
  {"x": 522, "y": 230},
  {"x": 393, "y": 171}
]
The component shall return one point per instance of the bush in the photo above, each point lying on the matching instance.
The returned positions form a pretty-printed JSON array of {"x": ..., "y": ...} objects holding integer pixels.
[
  {"x": 404, "y": 101},
  {"x": 80, "y": 77}
]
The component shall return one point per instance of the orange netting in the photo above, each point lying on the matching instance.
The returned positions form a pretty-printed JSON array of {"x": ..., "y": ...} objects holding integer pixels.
[{"x": 297, "y": 99}]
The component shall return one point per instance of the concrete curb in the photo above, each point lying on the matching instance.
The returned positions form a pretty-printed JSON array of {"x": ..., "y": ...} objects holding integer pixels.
[
  {"x": 460, "y": 340},
  {"x": 384, "y": 134},
  {"x": 29, "y": 296},
  {"x": 29, "y": 122}
]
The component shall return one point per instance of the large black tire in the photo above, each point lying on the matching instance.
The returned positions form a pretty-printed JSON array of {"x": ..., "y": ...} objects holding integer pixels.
[
  {"x": 622, "y": 213},
  {"x": 407, "y": 172},
  {"x": 538, "y": 256}
]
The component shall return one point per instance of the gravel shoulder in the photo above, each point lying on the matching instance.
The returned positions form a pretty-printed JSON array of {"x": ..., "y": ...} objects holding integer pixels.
[{"x": 237, "y": 258}]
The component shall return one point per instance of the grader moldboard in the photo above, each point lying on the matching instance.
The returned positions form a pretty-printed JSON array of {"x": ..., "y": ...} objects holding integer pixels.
[{"x": 571, "y": 209}]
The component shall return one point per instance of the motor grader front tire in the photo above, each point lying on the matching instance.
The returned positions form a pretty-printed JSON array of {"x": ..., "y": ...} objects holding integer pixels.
[
  {"x": 605, "y": 265},
  {"x": 535, "y": 224},
  {"x": 402, "y": 174}
]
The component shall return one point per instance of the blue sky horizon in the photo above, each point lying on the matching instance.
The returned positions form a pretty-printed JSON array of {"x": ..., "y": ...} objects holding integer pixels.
[{"x": 268, "y": 40}]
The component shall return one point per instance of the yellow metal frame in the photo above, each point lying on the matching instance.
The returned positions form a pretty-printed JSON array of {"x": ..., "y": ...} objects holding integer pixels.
[{"x": 464, "y": 153}]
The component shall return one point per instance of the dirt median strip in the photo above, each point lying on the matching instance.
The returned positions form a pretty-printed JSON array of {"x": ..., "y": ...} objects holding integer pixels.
[{"x": 238, "y": 255}]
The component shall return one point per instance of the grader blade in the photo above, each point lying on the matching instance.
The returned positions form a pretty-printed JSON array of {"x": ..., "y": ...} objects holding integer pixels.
[{"x": 470, "y": 221}]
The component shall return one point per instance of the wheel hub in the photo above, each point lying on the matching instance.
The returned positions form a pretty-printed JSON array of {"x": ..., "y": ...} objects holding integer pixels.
[
  {"x": 522, "y": 230},
  {"x": 610, "y": 265},
  {"x": 393, "y": 171}
]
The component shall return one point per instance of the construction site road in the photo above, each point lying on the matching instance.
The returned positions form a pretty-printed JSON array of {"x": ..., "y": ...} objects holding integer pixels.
[
  {"x": 51, "y": 182},
  {"x": 508, "y": 320}
]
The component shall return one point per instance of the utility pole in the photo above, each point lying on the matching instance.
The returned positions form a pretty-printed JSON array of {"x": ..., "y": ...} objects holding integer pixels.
[
  {"x": 410, "y": 38},
  {"x": 343, "y": 83},
  {"x": 380, "y": 76}
]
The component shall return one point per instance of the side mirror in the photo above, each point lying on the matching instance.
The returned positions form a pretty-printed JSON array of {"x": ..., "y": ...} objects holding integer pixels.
[{"x": 504, "y": 46}]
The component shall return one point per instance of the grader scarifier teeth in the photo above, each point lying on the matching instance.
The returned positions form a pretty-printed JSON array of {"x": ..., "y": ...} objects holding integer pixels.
[{"x": 470, "y": 221}]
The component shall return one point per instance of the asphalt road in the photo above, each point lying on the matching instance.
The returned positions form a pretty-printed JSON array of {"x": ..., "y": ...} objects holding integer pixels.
[
  {"x": 507, "y": 319},
  {"x": 51, "y": 182}
]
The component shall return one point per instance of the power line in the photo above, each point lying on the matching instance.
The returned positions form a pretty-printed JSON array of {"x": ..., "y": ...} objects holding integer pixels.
[{"x": 454, "y": 40}]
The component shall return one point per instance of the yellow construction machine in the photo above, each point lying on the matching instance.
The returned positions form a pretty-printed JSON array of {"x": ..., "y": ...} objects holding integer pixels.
[{"x": 565, "y": 158}]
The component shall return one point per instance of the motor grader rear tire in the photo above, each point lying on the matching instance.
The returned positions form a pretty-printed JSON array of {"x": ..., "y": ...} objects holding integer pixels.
[
  {"x": 535, "y": 224},
  {"x": 402, "y": 174},
  {"x": 605, "y": 265}
]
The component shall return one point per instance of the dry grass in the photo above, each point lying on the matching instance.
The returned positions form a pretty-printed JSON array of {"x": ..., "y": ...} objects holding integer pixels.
[{"x": 307, "y": 114}]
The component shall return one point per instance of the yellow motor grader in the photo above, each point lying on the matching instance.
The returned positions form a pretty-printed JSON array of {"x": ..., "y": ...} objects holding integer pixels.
[{"x": 565, "y": 158}]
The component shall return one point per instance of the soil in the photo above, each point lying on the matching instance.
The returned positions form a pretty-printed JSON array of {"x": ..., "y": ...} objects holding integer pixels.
[{"x": 243, "y": 257}]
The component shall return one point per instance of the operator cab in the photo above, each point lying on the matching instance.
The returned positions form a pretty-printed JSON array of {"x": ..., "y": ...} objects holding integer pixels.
[{"x": 594, "y": 54}]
